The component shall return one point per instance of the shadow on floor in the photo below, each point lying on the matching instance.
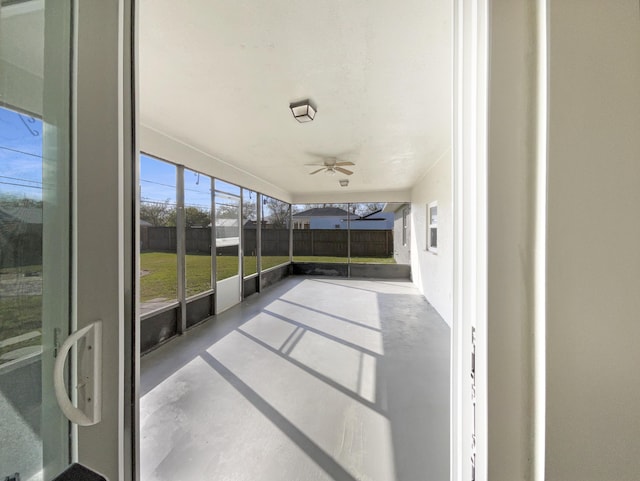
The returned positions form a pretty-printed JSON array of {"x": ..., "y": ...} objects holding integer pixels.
[{"x": 313, "y": 379}]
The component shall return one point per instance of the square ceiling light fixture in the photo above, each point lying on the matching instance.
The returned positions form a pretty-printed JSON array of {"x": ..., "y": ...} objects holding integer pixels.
[
  {"x": 344, "y": 182},
  {"x": 303, "y": 111}
]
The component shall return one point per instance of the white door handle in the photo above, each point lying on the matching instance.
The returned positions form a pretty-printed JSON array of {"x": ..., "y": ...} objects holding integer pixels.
[{"x": 89, "y": 376}]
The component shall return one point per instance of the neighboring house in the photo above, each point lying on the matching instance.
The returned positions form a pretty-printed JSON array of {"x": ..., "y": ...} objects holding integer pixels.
[
  {"x": 401, "y": 231},
  {"x": 337, "y": 218},
  {"x": 322, "y": 218},
  {"x": 20, "y": 215},
  {"x": 378, "y": 220}
]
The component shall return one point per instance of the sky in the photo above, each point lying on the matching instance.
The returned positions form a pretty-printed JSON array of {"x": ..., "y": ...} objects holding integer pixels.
[
  {"x": 20, "y": 155},
  {"x": 21, "y": 168},
  {"x": 158, "y": 184}
]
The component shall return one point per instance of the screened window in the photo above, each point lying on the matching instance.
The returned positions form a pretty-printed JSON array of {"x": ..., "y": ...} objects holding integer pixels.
[
  {"x": 197, "y": 210},
  {"x": 158, "y": 254},
  {"x": 276, "y": 218},
  {"x": 250, "y": 232},
  {"x": 320, "y": 233}
]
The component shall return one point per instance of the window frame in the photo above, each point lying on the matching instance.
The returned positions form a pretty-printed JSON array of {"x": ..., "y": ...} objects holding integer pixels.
[{"x": 431, "y": 225}]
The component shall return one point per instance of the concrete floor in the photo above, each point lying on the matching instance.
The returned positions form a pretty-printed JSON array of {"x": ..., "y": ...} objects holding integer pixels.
[{"x": 314, "y": 379}]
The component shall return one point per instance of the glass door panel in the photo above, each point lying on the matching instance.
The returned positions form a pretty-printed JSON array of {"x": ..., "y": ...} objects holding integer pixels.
[
  {"x": 158, "y": 237},
  {"x": 35, "y": 279}
]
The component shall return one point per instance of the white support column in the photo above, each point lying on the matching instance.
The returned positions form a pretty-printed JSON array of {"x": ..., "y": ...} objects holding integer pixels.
[
  {"x": 103, "y": 152},
  {"x": 214, "y": 247},
  {"x": 259, "y": 240},
  {"x": 181, "y": 248}
]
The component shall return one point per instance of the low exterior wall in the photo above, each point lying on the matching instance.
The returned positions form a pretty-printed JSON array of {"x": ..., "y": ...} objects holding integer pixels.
[
  {"x": 158, "y": 328},
  {"x": 275, "y": 275},
  {"x": 320, "y": 269},
  {"x": 381, "y": 271}
]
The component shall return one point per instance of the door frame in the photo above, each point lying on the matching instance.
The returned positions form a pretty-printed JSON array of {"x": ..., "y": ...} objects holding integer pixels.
[
  {"x": 104, "y": 233},
  {"x": 226, "y": 285},
  {"x": 468, "y": 423}
]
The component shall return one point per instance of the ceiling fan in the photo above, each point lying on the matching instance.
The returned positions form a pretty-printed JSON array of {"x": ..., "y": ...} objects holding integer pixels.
[{"x": 331, "y": 166}]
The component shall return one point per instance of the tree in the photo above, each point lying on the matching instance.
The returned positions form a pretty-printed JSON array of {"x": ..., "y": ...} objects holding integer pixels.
[
  {"x": 196, "y": 217},
  {"x": 10, "y": 200},
  {"x": 249, "y": 210},
  {"x": 157, "y": 213},
  {"x": 366, "y": 208},
  {"x": 193, "y": 217},
  {"x": 275, "y": 212},
  {"x": 226, "y": 211}
]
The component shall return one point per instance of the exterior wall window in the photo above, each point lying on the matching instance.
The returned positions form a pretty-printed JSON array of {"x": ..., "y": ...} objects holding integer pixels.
[
  {"x": 432, "y": 227},
  {"x": 405, "y": 213}
]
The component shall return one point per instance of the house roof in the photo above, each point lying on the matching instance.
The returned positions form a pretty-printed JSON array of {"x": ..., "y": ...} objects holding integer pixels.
[
  {"x": 394, "y": 206},
  {"x": 371, "y": 216},
  {"x": 25, "y": 215},
  {"x": 324, "y": 212}
]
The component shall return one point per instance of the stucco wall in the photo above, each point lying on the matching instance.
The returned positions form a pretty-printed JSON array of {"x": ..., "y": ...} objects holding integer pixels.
[
  {"x": 431, "y": 272},
  {"x": 593, "y": 281},
  {"x": 402, "y": 252}
]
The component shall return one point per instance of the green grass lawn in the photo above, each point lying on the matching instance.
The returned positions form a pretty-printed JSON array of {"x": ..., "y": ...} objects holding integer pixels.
[
  {"x": 159, "y": 276},
  {"x": 160, "y": 280},
  {"x": 20, "y": 315}
]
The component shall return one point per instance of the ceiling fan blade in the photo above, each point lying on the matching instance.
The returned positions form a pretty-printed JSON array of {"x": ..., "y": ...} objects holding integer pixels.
[
  {"x": 315, "y": 164},
  {"x": 344, "y": 171},
  {"x": 345, "y": 162},
  {"x": 316, "y": 171}
]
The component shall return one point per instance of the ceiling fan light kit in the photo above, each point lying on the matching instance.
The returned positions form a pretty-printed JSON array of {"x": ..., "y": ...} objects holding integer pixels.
[
  {"x": 344, "y": 182},
  {"x": 303, "y": 110},
  {"x": 331, "y": 166}
]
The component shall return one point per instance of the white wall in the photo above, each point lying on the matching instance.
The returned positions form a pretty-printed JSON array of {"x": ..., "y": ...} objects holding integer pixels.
[
  {"x": 593, "y": 310},
  {"x": 433, "y": 272}
]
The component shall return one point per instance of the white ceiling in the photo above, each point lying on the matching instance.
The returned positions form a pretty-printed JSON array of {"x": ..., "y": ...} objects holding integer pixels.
[{"x": 219, "y": 77}]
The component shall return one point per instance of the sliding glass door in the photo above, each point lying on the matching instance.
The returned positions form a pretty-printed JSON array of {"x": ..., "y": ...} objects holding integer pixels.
[
  {"x": 35, "y": 233},
  {"x": 65, "y": 244}
]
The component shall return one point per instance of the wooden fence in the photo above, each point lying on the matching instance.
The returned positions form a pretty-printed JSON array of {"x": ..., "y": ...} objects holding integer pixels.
[{"x": 275, "y": 242}]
